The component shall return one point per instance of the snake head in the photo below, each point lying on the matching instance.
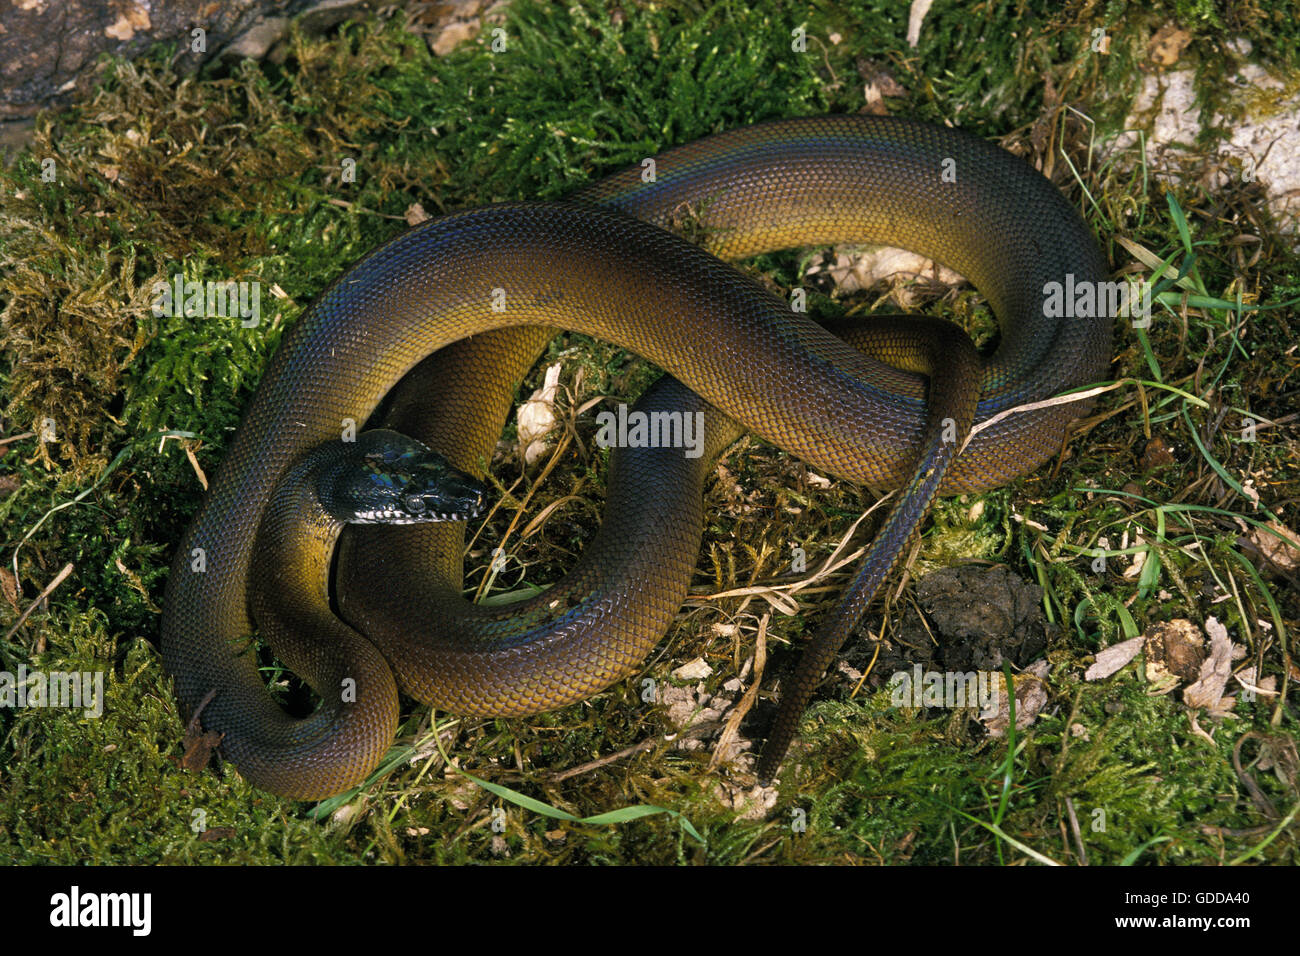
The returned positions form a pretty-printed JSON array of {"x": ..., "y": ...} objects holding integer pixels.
[{"x": 385, "y": 477}]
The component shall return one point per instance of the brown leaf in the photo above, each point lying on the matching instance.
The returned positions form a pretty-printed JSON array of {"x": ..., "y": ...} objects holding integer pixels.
[
  {"x": 198, "y": 743},
  {"x": 1175, "y": 651},
  {"x": 1284, "y": 554},
  {"x": 1157, "y": 454},
  {"x": 1215, "y": 671},
  {"x": 1168, "y": 45},
  {"x": 1031, "y": 697},
  {"x": 1113, "y": 658},
  {"x": 9, "y": 587}
]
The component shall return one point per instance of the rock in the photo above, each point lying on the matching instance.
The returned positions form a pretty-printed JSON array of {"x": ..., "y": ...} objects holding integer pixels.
[{"x": 1260, "y": 145}]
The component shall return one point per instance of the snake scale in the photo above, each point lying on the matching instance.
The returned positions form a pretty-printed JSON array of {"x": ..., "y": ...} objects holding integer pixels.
[{"x": 430, "y": 334}]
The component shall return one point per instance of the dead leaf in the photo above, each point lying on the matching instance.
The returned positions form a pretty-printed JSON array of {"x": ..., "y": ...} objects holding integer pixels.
[
  {"x": 880, "y": 84},
  {"x": 692, "y": 707},
  {"x": 753, "y": 803},
  {"x": 453, "y": 36},
  {"x": 864, "y": 268},
  {"x": 915, "y": 17},
  {"x": 1134, "y": 569},
  {"x": 1276, "y": 753},
  {"x": 1113, "y": 658},
  {"x": 1158, "y": 454},
  {"x": 1279, "y": 753},
  {"x": 1174, "y": 653},
  {"x": 1031, "y": 698},
  {"x": 199, "y": 744},
  {"x": 697, "y": 669},
  {"x": 9, "y": 587},
  {"x": 535, "y": 418},
  {"x": 134, "y": 17},
  {"x": 1215, "y": 671},
  {"x": 1248, "y": 489},
  {"x": 1168, "y": 45},
  {"x": 1284, "y": 554}
]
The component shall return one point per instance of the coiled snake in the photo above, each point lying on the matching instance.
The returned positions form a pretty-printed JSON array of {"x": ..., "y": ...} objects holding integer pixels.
[{"x": 489, "y": 287}]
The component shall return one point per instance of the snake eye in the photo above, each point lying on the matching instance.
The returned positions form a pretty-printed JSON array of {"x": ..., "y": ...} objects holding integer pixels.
[{"x": 414, "y": 504}]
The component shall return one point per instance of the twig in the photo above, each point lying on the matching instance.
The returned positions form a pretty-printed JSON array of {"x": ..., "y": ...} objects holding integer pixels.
[
  {"x": 1074, "y": 828},
  {"x": 699, "y": 730},
  {"x": 747, "y": 701},
  {"x": 49, "y": 589}
]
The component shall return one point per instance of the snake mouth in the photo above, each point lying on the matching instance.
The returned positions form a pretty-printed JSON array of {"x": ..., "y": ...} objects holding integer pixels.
[
  {"x": 402, "y": 517},
  {"x": 388, "y": 478},
  {"x": 453, "y": 499},
  {"x": 435, "y": 493}
]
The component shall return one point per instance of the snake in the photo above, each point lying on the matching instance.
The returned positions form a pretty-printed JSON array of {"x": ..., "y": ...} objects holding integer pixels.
[{"x": 426, "y": 339}]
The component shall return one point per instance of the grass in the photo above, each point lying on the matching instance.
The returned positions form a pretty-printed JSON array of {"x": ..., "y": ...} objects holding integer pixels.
[{"x": 239, "y": 174}]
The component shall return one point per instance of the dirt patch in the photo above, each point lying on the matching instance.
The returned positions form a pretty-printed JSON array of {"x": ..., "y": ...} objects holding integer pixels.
[{"x": 975, "y": 617}]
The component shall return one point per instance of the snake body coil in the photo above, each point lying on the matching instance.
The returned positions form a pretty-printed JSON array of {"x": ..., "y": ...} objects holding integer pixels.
[{"x": 605, "y": 264}]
